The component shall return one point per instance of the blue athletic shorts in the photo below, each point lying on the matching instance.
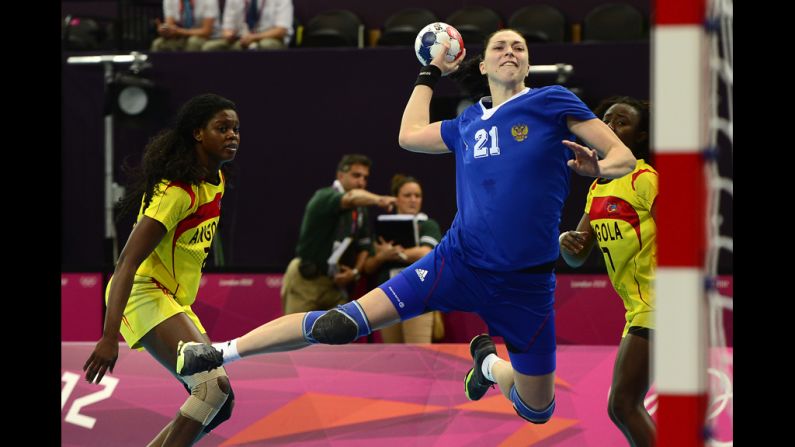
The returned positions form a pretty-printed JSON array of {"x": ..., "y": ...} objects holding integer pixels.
[{"x": 516, "y": 306}]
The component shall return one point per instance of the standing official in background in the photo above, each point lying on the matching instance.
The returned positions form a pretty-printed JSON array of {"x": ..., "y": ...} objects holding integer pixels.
[{"x": 334, "y": 240}]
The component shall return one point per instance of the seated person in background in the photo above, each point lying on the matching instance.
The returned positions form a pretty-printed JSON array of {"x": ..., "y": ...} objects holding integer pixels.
[
  {"x": 390, "y": 258},
  {"x": 254, "y": 25},
  {"x": 189, "y": 23}
]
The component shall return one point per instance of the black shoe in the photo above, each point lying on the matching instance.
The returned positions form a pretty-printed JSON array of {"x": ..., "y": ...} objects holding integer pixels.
[
  {"x": 195, "y": 357},
  {"x": 475, "y": 383}
]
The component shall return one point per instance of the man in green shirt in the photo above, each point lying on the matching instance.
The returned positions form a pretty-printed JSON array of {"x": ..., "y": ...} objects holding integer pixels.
[{"x": 334, "y": 240}]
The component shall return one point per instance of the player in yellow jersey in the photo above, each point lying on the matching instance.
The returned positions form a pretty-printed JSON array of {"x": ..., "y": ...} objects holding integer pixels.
[
  {"x": 178, "y": 187},
  {"x": 619, "y": 217}
]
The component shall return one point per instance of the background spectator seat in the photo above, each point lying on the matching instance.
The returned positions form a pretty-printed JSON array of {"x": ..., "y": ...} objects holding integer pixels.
[
  {"x": 402, "y": 27},
  {"x": 613, "y": 22},
  {"x": 539, "y": 23},
  {"x": 336, "y": 28},
  {"x": 475, "y": 23}
]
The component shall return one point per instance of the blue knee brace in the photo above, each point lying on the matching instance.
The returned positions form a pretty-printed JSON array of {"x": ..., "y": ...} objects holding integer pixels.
[
  {"x": 338, "y": 326},
  {"x": 527, "y": 413}
]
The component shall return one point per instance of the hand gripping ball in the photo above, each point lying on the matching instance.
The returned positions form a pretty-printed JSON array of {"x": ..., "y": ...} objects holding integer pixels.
[{"x": 429, "y": 42}]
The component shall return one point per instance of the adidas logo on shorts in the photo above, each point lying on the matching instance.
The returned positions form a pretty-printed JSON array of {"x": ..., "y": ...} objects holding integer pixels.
[{"x": 421, "y": 273}]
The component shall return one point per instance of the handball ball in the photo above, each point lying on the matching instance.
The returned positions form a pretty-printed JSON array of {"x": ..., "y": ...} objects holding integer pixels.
[{"x": 429, "y": 42}]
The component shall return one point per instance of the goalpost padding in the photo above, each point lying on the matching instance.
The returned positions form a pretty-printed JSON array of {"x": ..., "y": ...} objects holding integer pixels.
[{"x": 679, "y": 136}]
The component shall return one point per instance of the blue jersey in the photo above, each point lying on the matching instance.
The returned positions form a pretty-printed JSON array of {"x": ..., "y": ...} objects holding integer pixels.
[{"x": 511, "y": 177}]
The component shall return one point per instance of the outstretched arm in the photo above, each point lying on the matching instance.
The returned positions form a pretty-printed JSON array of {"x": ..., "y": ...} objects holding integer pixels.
[
  {"x": 617, "y": 160},
  {"x": 417, "y": 133},
  {"x": 362, "y": 197}
]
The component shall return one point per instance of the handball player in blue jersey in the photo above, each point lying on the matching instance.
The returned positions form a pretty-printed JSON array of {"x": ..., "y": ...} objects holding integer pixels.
[{"x": 513, "y": 152}]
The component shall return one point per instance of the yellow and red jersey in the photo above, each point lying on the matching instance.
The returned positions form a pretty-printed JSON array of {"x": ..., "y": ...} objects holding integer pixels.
[
  {"x": 621, "y": 219},
  {"x": 190, "y": 214}
]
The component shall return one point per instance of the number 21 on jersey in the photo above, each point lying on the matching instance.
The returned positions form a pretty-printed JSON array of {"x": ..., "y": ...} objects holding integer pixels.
[{"x": 484, "y": 139}]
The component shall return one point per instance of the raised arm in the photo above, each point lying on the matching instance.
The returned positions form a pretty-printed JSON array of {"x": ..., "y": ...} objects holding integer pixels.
[
  {"x": 417, "y": 133},
  {"x": 617, "y": 160}
]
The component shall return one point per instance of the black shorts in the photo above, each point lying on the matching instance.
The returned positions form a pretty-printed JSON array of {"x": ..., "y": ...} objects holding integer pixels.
[{"x": 639, "y": 331}]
